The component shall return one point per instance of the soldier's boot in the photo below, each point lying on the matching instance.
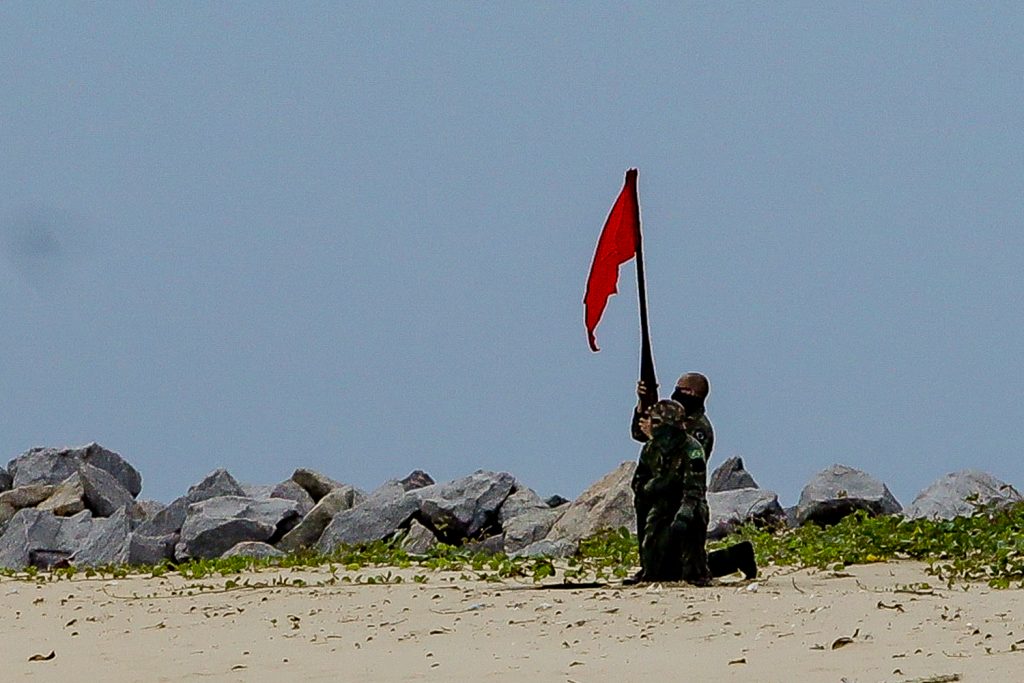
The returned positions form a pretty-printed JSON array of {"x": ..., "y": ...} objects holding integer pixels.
[
  {"x": 738, "y": 557},
  {"x": 635, "y": 579}
]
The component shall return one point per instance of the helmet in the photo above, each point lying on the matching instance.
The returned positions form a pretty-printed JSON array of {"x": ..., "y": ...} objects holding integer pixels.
[{"x": 668, "y": 412}]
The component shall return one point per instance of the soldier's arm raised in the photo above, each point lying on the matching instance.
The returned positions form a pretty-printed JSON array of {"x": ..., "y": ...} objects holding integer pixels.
[{"x": 639, "y": 430}]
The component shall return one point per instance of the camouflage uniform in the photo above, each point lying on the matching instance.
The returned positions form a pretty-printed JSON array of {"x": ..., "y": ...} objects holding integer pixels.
[
  {"x": 670, "y": 487},
  {"x": 697, "y": 425}
]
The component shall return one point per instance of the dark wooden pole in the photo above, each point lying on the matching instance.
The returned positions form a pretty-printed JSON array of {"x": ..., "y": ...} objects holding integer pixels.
[{"x": 647, "y": 374}]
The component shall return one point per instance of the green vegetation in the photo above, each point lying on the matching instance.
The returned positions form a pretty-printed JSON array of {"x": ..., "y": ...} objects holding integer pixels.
[{"x": 986, "y": 547}]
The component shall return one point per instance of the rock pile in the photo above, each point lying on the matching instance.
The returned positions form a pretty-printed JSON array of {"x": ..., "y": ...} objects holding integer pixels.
[{"x": 78, "y": 506}]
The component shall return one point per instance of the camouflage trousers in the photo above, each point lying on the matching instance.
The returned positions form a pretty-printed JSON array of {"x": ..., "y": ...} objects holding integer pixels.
[{"x": 672, "y": 545}]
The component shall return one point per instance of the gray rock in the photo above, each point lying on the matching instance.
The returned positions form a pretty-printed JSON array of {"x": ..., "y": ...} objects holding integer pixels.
[
  {"x": 215, "y": 484},
  {"x": 104, "y": 494},
  {"x": 67, "y": 497},
  {"x": 958, "y": 494},
  {"x": 151, "y": 550},
  {"x": 214, "y": 525},
  {"x": 556, "y": 501},
  {"x": 316, "y": 485},
  {"x": 466, "y": 507},
  {"x": 492, "y": 545},
  {"x": 40, "y": 538},
  {"x": 525, "y": 518},
  {"x": 289, "y": 490},
  {"x": 548, "y": 548},
  {"x": 731, "y": 475},
  {"x": 54, "y": 465},
  {"x": 27, "y": 496},
  {"x": 733, "y": 508},
  {"x": 147, "y": 509},
  {"x": 308, "y": 531},
  {"x": 6, "y": 480},
  {"x": 522, "y": 499},
  {"x": 607, "y": 504},
  {"x": 254, "y": 549},
  {"x": 26, "y": 531},
  {"x": 107, "y": 542},
  {"x": 44, "y": 466},
  {"x": 169, "y": 520},
  {"x": 419, "y": 539},
  {"x": 115, "y": 465},
  {"x": 417, "y": 479},
  {"x": 380, "y": 515},
  {"x": 839, "y": 491},
  {"x": 6, "y": 514},
  {"x": 528, "y": 528},
  {"x": 257, "y": 490},
  {"x": 791, "y": 521}
]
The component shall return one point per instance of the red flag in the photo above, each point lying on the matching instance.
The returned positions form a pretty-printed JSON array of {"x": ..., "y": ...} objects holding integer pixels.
[{"x": 617, "y": 244}]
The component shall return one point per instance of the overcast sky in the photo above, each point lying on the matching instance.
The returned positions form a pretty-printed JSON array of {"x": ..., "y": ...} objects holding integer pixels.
[{"x": 355, "y": 236}]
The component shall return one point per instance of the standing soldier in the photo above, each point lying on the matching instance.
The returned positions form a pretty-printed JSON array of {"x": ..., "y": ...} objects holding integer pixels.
[{"x": 691, "y": 392}]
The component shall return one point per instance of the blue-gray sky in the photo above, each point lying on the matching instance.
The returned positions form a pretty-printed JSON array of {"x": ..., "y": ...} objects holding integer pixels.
[{"x": 354, "y": 236}]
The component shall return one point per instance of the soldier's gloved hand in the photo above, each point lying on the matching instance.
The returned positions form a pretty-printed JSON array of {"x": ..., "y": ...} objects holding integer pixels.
[{"x": 643, "y": 392}]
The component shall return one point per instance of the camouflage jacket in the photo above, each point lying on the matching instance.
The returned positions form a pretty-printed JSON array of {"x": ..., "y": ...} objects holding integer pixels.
[
  {"x": 671, "y": 472},
  {"x": 698, "y": 426}
]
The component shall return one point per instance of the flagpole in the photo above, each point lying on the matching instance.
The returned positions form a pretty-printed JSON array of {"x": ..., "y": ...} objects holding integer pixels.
[{"x": 647, "y": 374}]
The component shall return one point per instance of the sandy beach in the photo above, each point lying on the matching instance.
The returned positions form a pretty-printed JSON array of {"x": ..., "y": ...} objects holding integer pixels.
[{"x": 870, "y": 623}]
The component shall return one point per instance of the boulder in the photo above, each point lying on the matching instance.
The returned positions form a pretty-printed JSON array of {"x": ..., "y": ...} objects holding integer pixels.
[
  {"x": 257, "y": 490},
  {"x": 104, "y": 494},
  {"x": 44, "y": 466},
  {"x": 556, "y": 501},
  {"x": 6, "y": 480},
  {"x": 522, "y": 499},
  {"x": 216, "y": 483},
  {"x": 54, "y": 465},
  {"x": 289, "y": 490},
  {"x": 40, "y": 538},
  {"x": 106, "y": 543},
  {"x": 528, "y": 528},
  {"x": 548, "y": 548},
  {"x": 379, "y": 516},
  {"x": 419, "y": 539},
  {"x": 958, "y": 494},
  {"x": 6, "y": 514},
  {"x": 525, "y": 518},
  {"x": 214, "y": 525},
  {"x": 464, "y": 508},
  {"x": 169, "y": 520},
  {"x": 733, "y": 508},
  {"x": 607, "y": 504},
  {"x": 316, "y": 485},
  {"x": 151, "y": 550},
  {"x": 731, "y": 475},
  {"x": 312, "y": 526},
  {"x": 67, "y": 497},
  {"x": 417, "y": 479},
  {"x": 838, "y": 491},
  {"x": 492, "y": 545},
  {"x": 254, "y": 549},
  {"x": 27, "y": 496},
  {"x": 147, "y": 509}
]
